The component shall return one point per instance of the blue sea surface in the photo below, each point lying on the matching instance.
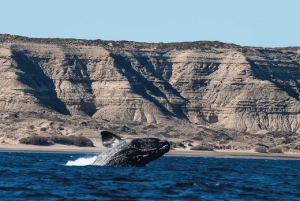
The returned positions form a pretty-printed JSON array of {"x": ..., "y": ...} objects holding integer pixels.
[{"x": 45, "y": 176}]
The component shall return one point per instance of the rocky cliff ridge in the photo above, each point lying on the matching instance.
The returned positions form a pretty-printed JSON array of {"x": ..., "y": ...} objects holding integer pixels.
[{"x": 213, "y": 84}]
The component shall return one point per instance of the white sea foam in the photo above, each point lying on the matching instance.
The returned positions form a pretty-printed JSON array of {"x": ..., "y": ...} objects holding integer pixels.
[{"x": 82, "y": 161}]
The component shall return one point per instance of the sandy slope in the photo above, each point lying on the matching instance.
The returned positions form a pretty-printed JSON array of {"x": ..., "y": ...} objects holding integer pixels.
[
  {"x": 245, "y": 89},
  {"x": 221, "y": 95},
  {"x": 232, "y": 154}
]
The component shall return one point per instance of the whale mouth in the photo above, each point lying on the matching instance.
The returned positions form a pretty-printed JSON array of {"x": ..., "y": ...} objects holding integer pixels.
[
  {"x": 166, "y": 147},
  {"x": 162, "y": 148}
]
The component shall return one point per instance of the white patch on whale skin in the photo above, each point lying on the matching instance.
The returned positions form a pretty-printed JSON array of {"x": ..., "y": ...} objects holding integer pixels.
[
  {"x": 100, "y": 160},
  {"x": 116, "y": 141},
  {"x": 82, "y": 161}
]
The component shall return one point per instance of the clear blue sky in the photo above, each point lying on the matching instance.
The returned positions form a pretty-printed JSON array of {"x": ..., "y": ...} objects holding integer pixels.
[{"x": 267, "y": 23}]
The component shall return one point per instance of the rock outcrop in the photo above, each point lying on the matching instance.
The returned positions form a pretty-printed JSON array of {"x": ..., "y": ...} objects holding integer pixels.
[{"x": 248, "y": 89}]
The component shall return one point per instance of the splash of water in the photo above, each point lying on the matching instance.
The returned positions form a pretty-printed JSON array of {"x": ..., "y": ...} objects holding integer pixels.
[{"x": 82, "y": 161}]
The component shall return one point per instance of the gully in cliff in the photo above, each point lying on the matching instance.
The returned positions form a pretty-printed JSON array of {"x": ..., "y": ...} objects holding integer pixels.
[{"x": 135, "y": 152}]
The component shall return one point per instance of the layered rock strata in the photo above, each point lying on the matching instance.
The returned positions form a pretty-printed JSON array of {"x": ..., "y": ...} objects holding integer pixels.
[{"x": 249, "y": 89}]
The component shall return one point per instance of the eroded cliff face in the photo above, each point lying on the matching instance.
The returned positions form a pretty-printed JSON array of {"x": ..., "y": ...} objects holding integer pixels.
[{"x": 221, "y": 85}]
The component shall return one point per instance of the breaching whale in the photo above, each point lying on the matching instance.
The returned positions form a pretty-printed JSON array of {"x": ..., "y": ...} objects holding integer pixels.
[{"x": 136, "y": 152}]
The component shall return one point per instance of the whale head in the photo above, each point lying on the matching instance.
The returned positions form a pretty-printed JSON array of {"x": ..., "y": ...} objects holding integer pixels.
[{"x": 135, "y": 152}]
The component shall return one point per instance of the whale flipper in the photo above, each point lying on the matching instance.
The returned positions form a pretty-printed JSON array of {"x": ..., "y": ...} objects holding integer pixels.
[{"x": 109, "y": 139}]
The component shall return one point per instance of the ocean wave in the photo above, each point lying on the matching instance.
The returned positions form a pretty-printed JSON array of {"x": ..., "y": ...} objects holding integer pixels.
[{"x": 82, "y": 161}]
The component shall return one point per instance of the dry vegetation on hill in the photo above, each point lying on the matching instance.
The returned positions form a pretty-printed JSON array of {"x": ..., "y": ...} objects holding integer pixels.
[{"x": 200, "y": 93}]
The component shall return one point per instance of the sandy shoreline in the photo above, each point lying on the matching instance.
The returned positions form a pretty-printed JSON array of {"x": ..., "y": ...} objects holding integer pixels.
[
  {"x": 233, "y": 154},
  {"x": 177, "y": 152}
]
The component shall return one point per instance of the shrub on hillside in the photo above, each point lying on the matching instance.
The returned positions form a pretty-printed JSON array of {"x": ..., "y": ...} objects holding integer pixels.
[
  {"x": 66, "y": 140},
  {"x": 34, "y": 140},
  {"x": 72, "y": 140},
  {"x": 202, "y": 148},
  {"x": 287, "y": 140},
  {"x": 275, "y": 150},
  {"x": 177, "y": 144},
  {"x": 198, "y": 138},
  {"x": 261, "y": 149},
  {"x": 43, "y": 129}
]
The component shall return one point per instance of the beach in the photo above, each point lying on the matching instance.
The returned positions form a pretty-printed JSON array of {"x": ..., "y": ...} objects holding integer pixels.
[{"x": 176, "y": 152}]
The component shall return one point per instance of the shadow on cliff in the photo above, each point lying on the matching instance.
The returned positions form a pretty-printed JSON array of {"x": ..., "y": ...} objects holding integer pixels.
[
  {"x": 125, "y": 68},
  {"x": 80, "y": 69},
  {"x": 281, "y": 77},
  {"x": 42, "y": 86},
  {"x": 156, "y": 73}
]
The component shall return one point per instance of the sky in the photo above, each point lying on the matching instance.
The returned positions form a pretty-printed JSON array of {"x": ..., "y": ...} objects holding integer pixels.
[{"x": 266, "y": 23}]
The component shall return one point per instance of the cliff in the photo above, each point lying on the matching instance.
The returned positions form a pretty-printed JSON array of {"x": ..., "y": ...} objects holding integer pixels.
[{"x": 214, "y": 84}]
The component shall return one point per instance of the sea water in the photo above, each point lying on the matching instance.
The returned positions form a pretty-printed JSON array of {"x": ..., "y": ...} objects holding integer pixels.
[{"x": 55, "y": 176}]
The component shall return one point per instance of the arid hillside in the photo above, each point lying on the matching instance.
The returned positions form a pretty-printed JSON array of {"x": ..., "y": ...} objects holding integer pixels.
[{"x": 180, "y": 86}]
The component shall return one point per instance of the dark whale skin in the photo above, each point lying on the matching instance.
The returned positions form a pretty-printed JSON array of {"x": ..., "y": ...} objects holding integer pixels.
[{"x": 135, "y": 152}]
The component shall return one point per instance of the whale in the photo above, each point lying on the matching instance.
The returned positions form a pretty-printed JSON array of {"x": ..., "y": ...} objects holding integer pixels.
[{"x": 130, "y": 152}]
